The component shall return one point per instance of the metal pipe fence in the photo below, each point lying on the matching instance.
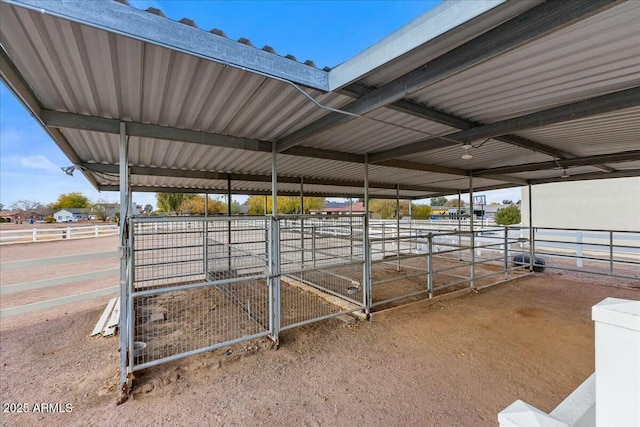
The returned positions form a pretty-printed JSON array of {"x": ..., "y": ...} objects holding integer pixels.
[
  {"x": 602, "y": 252},
  {"x": 196, "y": 284},
  {"x": 57, "y": 233}
]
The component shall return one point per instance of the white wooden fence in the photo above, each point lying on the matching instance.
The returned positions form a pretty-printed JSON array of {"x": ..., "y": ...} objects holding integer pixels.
[{"x": 57, "y": 233}]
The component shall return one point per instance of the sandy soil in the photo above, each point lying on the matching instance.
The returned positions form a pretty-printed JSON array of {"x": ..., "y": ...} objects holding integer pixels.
[{"x": 451, "y": 362}]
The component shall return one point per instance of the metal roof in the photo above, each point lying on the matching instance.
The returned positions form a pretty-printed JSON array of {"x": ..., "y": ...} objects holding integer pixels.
[{"x": 534, "y": 87}]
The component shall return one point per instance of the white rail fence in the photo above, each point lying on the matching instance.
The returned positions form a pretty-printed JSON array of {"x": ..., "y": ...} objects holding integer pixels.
[{"x": 57, "y": 233}]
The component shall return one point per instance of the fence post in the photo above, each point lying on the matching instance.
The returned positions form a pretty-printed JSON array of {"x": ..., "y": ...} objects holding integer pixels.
[
  {"x": 384, "y": 238},
  {"x": 313, "y": 244},
  {"x": 506, "y": 252},
  {"x": 430, "y": 266},
  {"x": 579, "y": 249},
  {"x": 35, "y": 235},
  {"x": 611, "y": 252},
  {"x": 97, "y": 230},
  {"x": 68, "y": 232}
]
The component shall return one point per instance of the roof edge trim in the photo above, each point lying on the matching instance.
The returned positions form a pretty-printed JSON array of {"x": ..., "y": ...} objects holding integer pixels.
[
  {"x": 432, "y": 24},
  {"x": 149, "y": 28}
]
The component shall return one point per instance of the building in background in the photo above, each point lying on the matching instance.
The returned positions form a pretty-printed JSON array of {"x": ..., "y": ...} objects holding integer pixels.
[{"x": 611, "y": 204}]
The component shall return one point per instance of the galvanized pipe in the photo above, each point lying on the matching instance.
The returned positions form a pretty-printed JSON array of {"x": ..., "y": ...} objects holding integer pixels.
[
  {"x": 472, "y": 236},
  {"x": 531, "y": 232},
  {"x": 368, "y": 298},
  {"x": 125, "y": 256}
]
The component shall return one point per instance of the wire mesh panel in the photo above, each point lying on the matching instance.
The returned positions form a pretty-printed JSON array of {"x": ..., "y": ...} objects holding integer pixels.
[
  {"x": 167, "y": 253},
  {"x": 322, "y": 262},
  {"x": 198, "y": 284}
]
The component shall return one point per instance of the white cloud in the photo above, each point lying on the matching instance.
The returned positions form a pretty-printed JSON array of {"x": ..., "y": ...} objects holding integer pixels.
[{"x": 38, "y": 162}]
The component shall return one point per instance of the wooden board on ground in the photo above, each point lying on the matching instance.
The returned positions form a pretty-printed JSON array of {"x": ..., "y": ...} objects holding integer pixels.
[
  {"x": 110, "y": 329},
  {"x": 104, "y": 317},
  {"x": 332, "y": 299}
]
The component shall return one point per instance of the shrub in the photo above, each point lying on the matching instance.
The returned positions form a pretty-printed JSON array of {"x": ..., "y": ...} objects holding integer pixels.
[
  {"x": 49, "y": 219},
  {"x": 509, "y": 215}
]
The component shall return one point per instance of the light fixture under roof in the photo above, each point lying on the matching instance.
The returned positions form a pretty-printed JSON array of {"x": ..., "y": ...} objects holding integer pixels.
[
  {"x": 565, "y": 174},
  {"x": 467, "y": 155}
]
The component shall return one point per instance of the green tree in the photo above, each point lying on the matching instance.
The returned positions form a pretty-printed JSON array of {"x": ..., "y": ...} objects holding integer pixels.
[
  {"x": 453, "y": 203},
  {"x": 386, "y": 208},
  {"x": 74, "y": 200},
  {"x": 195, "y": 206},
  {"x": 438, "y": 201},
  {"x": 170, "y": 202},
  {"x": 148, "y": 209},
  {"x": 286, "y": 205},
  {"x": 509, "y": 215},
  {"x": 99, "y": 210},
  {"x": 421, "y": 211}
]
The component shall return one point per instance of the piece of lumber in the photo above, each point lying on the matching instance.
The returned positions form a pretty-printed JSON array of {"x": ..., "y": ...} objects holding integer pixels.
[{"x": 104, "y": 317}]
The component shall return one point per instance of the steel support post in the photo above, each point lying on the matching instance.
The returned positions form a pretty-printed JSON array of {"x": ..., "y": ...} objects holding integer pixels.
[
  {"x": 125, "y": 256},
  {"x": 532, "y": 236},
  {"x": 274, "y": 254},
  {"x": 205, "y": 237},
  {"x": 229, "y": 222},
  {"x": 410, "y": 229},
  {"x": 302, "y": 220},
  {"x": 398, "y": 227},
  {"x": 430, "y": 266},
  {"x": 351, "y": 227},
  {"x": 368, "y": 298},
  {"x": 459, "y": 211},
  {"x": 472, "y": 235}
]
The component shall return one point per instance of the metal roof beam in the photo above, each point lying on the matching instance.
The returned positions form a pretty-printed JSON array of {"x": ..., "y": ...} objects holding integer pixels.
[
  {"x": 628, "y": 173},
  {"x": 534, "y": 23},
  {"x": 599, "y": 159},
  {"x": 425, "y": 112},
  {"x": 589, "y": 107},
  {"x": 201, "y": 190},
  {"x": 56, "y": 119},
  {"x": 182, "y": 173}
]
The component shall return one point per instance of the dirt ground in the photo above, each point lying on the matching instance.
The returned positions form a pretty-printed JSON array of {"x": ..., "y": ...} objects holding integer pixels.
[{"x": 451, "y": 362}]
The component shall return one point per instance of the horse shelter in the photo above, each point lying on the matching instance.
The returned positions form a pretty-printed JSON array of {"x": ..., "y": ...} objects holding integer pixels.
[{"x": 471, "y": 96}]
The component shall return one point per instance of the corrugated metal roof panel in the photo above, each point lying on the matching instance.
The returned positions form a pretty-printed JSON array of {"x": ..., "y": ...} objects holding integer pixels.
[
  {"x": 618, "y": 131},
  {"x": 72, "y": 67},
  {"x": 490, "y": 155},
  {"x": 379, "y": 130},
  {"x": 592, "y": 57}
]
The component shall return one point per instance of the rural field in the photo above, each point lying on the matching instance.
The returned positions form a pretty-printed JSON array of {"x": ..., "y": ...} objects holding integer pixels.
[{"x": 444, "y": 362}]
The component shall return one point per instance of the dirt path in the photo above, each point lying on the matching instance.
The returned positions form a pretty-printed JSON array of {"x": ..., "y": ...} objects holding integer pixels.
[{"x": 455, "y": 362}]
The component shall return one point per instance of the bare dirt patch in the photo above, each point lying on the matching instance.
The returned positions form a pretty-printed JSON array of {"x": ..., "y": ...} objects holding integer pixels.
[{"x": 453, "y": 362}]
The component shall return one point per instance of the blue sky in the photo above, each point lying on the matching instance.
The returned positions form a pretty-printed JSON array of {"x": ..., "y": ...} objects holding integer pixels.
[{"x": 326, "y": 32}]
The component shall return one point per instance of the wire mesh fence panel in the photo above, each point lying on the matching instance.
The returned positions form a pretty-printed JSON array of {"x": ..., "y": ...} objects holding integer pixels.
[
  {"x": 322, "y": 264},
  {"x": 167, "y": 253},
  {"x": 198, "y": 284},
  {"x": 183, "y": 321}
]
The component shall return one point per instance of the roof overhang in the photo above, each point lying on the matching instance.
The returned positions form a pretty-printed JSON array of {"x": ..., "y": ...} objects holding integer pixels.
[{"x": 530, "y": 88}]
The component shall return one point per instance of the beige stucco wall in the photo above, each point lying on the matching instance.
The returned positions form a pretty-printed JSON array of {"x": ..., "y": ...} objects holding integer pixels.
[{"x": 609, "y": 204}]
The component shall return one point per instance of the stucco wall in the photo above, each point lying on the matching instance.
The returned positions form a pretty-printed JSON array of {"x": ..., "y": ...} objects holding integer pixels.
[{"x": 611, "y": 204}]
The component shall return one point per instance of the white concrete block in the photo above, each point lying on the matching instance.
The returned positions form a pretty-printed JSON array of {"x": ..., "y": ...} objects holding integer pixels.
[
  {"x": 617, "y": 326},
  {"x": 521, "y": 414}
]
